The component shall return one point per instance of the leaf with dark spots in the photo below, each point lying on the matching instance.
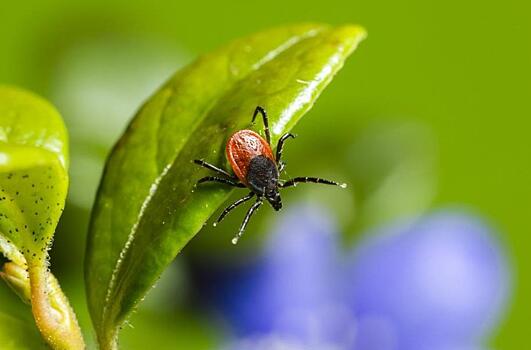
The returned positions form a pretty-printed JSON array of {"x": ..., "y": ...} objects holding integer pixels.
[{"x": 34, "y": 185}]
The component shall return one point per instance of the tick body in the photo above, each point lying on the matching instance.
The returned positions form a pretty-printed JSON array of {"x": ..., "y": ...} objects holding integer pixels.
[
  {"x": 242, "y": 149},
  {"x": 257, "y": 168}
]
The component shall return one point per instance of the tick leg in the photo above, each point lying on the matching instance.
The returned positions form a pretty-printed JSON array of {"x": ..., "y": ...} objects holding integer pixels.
[
  {"x": 280, "y": 145},
  {"x": 232, "y": 206},
  {"x": 212, "y": 167},
  {"x": 281, "y": 166},
  {"x": 296, "y": 180},
  {"x": 255, "y": 206},
  {"x": 221, "y": 180},
  {"x": 265, "y": 119}
]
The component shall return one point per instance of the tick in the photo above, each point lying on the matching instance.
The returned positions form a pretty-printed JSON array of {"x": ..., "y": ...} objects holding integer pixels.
[{"x": 256, "y": 168}]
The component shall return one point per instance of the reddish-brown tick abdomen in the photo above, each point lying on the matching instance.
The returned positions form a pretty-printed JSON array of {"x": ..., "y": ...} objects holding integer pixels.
[{"x": 243, "y": 146}]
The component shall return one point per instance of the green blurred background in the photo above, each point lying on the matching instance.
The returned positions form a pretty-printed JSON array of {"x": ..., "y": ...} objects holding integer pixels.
[{"x": 439, "y": 94}]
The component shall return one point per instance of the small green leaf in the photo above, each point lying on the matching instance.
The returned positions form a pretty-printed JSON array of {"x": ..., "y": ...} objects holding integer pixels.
[
  {"x": 33, "y": 185},
  {"x": 146, "y": 209},
  {"x": 17, "y": 278},
  {"x": 33, "y": 175},
  {"x": 33, "y": 189}
]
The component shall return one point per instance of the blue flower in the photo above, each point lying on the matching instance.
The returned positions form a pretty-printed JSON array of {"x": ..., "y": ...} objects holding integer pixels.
[{"x": 437, "y": 283}]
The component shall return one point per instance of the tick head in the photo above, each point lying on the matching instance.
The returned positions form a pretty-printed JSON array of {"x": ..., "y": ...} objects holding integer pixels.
[{"x": 273, "y": 197}]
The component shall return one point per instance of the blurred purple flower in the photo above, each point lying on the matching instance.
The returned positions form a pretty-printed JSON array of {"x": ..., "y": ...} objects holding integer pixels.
[{"x": 437, "y": 283}]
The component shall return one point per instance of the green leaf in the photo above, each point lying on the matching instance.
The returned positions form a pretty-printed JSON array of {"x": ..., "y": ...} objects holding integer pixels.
[
  {"x": 33, "y": 189},
  {"x": 33, "y": 175},
  {"x": 16, "y": 277},
  {"x": 146, "y": 209}
]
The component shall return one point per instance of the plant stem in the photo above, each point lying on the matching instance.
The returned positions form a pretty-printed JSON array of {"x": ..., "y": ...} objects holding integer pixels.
[
  {"x": 52, "y": 312},
  {"x": 109, "y": 341}
]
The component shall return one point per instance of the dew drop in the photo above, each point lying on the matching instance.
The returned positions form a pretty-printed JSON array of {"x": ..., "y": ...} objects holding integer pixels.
[
  {"x": 235, "y": 240},
  {"x": 343, "y": 185}
]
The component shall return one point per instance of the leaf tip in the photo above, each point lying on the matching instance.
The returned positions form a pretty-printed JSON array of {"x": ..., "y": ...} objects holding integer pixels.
[
  {"x": 352, "y": 35},
  {"x": 354, "y": 30}
]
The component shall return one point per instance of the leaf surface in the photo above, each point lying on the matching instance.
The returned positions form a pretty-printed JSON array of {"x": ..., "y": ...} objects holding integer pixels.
[
  {"x": 147, "y": 209},
  {"x": 33, "y": 175},
  {"x": 33, "y": 189}
]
